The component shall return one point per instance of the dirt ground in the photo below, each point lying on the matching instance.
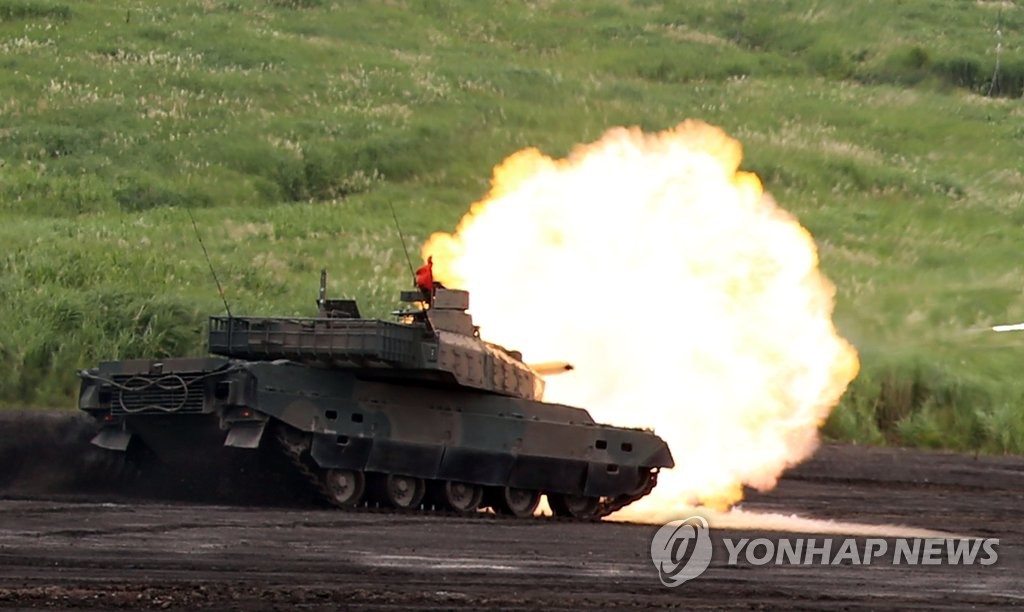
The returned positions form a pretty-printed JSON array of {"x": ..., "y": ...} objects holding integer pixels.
[{"x": 69, "y": 541}]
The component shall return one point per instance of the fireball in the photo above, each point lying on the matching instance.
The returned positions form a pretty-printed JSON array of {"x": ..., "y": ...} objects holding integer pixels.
[{"x": 686, "y": 298}]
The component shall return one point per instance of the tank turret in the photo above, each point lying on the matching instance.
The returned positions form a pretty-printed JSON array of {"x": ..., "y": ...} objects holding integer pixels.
[{"x": 434, "y": 341}]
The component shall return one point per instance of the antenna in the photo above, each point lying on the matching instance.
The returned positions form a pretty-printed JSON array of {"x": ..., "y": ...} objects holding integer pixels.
[
  {"x": 398, "y": 227},
  {"x": 321, "y": 301},
  {"x": 208, "y": 262}
]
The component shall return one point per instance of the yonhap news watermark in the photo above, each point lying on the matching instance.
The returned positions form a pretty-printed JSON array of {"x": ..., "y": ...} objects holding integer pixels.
[
  {"x": 682, "y": 550},
  {"x": 835, "y": 551}
]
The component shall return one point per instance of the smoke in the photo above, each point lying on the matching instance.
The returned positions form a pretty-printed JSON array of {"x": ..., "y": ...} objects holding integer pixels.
[
  {"x": 686, "y": 298},
  {"x": 1008, "y": 328},
  {"x": 45, "y": 452}
]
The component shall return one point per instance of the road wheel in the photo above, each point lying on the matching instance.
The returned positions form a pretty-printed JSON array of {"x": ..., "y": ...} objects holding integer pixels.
[
  {"x": 574, "y": 506},
  {"x": 344, "y": 488},
  {"x": 403, "y": 492},
  {"x": 460, "y": 497},
  {"x": 515, "y": 502}
]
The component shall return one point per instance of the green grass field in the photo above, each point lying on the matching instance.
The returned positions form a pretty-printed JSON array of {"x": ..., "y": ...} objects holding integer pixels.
[{"x": 894, "y": 131}]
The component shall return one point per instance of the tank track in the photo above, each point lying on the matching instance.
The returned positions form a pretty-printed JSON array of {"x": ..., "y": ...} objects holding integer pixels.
[
  {"x": 295, "y": 446},
  {"x": 614, "y": 504}
]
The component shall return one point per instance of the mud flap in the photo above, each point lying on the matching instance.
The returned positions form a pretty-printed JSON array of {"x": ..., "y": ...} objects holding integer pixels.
[
  {"x": 246, "y": 435},
  {"x": 113, "y": 438}
]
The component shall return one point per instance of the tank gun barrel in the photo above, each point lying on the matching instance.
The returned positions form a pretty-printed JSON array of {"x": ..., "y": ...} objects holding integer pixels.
[{"x": 551, "y": 368}]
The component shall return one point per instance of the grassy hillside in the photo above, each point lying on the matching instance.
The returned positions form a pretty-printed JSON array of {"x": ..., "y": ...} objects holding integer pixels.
[{"x": 894, "y": 130}]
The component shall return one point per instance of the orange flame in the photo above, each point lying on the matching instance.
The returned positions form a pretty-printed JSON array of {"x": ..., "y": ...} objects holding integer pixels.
[{"x": 687, "y": 300}]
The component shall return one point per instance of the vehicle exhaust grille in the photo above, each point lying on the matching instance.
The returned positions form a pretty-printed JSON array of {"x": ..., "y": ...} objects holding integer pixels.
[{"x": 158, "y": 393}]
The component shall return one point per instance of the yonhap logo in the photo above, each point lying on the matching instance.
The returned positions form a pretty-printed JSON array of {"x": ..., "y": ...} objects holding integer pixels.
[{"x": 681, "y": 550}]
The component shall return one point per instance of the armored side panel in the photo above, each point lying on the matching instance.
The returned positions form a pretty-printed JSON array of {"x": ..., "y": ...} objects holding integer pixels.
[{"x": 338, "y": 342}]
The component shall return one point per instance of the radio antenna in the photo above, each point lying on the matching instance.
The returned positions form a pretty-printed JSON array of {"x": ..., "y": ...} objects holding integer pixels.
[
  {"x": 401, "y": 238},
  {"x": 199, "y": 237}
]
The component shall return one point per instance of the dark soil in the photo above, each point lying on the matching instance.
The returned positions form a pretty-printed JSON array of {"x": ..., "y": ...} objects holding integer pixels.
[{"x": 70, "y": 539}]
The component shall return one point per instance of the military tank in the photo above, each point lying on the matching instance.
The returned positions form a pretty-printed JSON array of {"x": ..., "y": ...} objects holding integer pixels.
[{"x": 419, "y": 412}]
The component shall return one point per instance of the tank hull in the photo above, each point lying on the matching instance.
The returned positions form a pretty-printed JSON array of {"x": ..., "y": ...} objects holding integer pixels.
[{"x": 354, "y": 421}]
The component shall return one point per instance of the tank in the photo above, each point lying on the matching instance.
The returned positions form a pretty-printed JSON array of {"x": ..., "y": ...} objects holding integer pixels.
[{"x": 416, "y": 413}]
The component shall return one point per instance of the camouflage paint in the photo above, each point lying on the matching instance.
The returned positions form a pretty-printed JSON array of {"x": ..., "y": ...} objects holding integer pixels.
[{"x": 425, "y": 398}]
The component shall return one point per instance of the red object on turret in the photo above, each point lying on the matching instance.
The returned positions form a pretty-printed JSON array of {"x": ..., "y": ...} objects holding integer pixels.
[{"x": 425, "y": 275}]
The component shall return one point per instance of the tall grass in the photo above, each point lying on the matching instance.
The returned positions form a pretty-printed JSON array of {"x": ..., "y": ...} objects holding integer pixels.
[{"x": 286, "y": 126}]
